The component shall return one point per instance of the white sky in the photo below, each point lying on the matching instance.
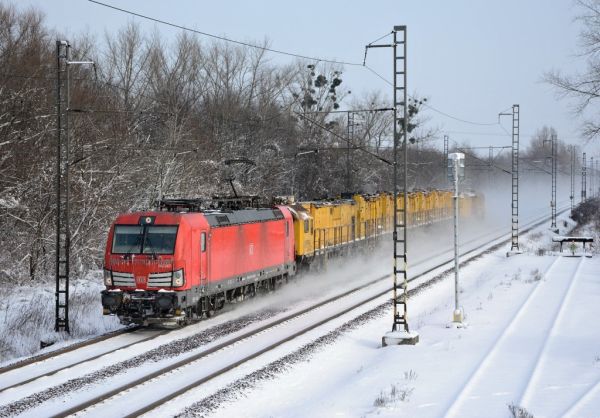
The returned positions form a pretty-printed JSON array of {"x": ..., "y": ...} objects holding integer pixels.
[{"x": 472, "y": 59}]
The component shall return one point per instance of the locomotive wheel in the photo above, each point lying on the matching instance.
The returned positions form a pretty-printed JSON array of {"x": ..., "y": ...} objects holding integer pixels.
[
  {"x": 251, "y": 291},
  {"x": 188, "y": 316}
]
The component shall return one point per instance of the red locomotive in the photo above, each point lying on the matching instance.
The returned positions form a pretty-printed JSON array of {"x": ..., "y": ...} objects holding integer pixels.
[{"x": 172, "y": 266}]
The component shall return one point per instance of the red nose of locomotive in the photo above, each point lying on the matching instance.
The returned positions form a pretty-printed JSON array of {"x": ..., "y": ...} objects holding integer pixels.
[
  {"x": 141, "y": 268},
  {"x": 141, "y": 256}
]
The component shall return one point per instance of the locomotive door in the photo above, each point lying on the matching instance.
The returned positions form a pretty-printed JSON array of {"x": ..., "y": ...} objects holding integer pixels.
[
  {"x": 203, "y": 261},
  {"x": 286, "y": 246}
]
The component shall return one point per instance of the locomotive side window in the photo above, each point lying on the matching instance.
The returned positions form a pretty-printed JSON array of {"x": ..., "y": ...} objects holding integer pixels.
[
  {"x": 203, "y": 242},
  {"x": 287, "y": 229},
  {"x": 306, "y": 226}
]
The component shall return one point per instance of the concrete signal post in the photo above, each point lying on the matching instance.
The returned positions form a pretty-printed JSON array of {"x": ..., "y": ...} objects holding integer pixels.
[{"x": 456, "y": 173}]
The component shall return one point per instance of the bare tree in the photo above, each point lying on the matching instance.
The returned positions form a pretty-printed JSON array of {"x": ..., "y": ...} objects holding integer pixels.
[
  {"x": 584, "y": 87},
  {"x": 26, "y": 128},
  {"x": 160, "y": 119}
]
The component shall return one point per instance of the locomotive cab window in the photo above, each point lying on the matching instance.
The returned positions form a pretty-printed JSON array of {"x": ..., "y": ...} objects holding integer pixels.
[
  {"x": 160, "y": 239},
  {"x": 306, "y": 226},
  {"x": 144, "y": 239},
  {"x": 127, "y": 239},
  {"x": 203, "y": 242}
]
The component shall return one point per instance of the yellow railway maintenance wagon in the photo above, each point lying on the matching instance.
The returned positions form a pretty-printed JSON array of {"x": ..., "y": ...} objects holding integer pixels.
[
  {"x": 325, "y": 227},
  {"x": 371, "y": 219},
  {"x": 334, "y": 223},
  {"x": 470, "y": 205}
]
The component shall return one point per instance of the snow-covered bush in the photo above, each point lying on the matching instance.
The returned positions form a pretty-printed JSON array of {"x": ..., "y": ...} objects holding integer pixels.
[
  {"x": 27, "y": 316},
  {"x": 587, "y": 212}
]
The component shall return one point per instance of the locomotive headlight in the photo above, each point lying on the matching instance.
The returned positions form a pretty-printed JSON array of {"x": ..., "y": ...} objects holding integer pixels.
[
  {"x": 108, "y": 278},
  {"x": 178, "y": 278}
]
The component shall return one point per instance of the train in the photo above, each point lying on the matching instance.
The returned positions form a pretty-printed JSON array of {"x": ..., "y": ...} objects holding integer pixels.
[{"x": 185, "y": 260}]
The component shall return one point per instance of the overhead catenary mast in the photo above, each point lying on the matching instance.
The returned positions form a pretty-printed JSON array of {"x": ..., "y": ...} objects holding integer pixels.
[
  {"x": 63, "y": 164},
  {"x": 583, "y": 179},
  {"x": 63, "y": 235},
  {"x": 400, "y": 333},
  {"x": 514, "y": 245},
  {"x": 591, "y": 194},
  {"x": 572, "y": 195},
  {"x": 554, "y": 172}
]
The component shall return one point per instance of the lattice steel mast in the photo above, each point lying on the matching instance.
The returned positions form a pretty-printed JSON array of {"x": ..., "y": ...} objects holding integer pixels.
[
  {"x": 446, "y": 139},
  {"x": 400, "y": 187},
  {"x": 597, "y": 180},
  {"x": 400, "y": 333},
  {"x": 583, "y": 179},
  {"x": 514, "y": 245},
  {"x": 63, "y": 234},
  {"x": 350, "y": 135},
  {"x": 592, "y": 177},
  {"x": 515, "y": 179},
  {"x": 572, "y": 195},
  {"x": 554, "y": 167}
]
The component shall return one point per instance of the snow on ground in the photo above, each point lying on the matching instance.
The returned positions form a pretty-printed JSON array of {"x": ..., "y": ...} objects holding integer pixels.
[
  {"x": 354, "y": 377},
  {"x": 531, "y": 343}
]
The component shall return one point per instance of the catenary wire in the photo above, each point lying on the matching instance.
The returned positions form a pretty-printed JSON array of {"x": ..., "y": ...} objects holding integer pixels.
[
  {"x": 281, "y": 52},
  {"x": 431, "y": 107},
  {"x": 222, "y": 38}
]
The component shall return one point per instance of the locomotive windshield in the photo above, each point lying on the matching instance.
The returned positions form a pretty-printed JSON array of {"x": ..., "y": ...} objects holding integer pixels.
[
  {"x": 148, "y": 239},
  {"x": 159, "y": 240}
]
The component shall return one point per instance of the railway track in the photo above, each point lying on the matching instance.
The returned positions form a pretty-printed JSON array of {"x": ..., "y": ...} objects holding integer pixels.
[
  {"x": 334, "y": 311},
  {"x": 71, "y": 347},
  {"x": 202, "y": 364},
  {"x": 419, "y": 285},
  {"x": 46, "y": 365},
  {"x": 486, "y": 387},
  {"x": 576, "y": 408},
  {"x": 578, "y": 397}
]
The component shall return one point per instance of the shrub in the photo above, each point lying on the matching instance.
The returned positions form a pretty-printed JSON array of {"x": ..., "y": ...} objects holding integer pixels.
[
  {"x": 517, "y": 411},
  {"x": 587, "y": 211}
]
